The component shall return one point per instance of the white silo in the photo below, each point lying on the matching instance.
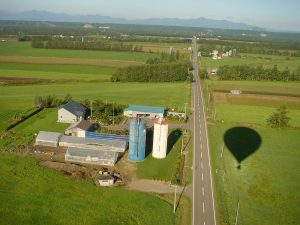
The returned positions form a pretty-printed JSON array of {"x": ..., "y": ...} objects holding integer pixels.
[{"x": 160, "y": 139}]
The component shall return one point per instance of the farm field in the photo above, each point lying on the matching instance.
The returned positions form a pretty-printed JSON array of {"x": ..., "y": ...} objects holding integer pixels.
[
  {"x": 264, "y": 87},
  {"x": 253, "y": 60},
  {"x": 25, "y": 49},
  {"x": 56, "y": 72},
  {"x": 33, "y": 194},
  {"x": 174, "y": 94},
  {"x": 266, "y": 184}
]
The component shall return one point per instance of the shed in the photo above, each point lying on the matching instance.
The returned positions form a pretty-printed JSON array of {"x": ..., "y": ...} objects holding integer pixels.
[
  {"x": 79, "y": 128},
  {"x": 144, "y": 111},
  {"x": 72, "y": 112},
  {"x": 91, "y": 156},
  {"x": 50, "y": 139},
  {"x": 106, "y": 180}
]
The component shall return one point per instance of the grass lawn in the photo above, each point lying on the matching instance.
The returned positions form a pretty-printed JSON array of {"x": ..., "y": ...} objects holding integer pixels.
[
  {"x": 5, "y": 116},
  {"x": 267, "y": 185},
  {"x": 60, "y": 72},
  {"x": 32, "y": 194},
  {"x": 25, "y": 49},
  {"x": 44, "y": 120},
  {"x": 162, "y": 169},
  {"x": 164, "y": 94}
]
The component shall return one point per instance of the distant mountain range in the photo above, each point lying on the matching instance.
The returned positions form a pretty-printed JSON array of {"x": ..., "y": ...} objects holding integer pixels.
[{"x": 62, "y": 17}]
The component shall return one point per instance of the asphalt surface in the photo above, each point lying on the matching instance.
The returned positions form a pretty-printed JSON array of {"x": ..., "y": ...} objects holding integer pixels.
[{"x": 203, "y": 199}]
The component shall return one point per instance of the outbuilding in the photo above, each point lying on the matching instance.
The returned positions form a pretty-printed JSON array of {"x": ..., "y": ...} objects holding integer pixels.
[
  {"x": 144, "y": 111},
  {"x": 72, "y": 112},
  {"x": 50, "y": 139},
  {"x": 106, "y": 180},
  {"x": 79, "y": 128}
]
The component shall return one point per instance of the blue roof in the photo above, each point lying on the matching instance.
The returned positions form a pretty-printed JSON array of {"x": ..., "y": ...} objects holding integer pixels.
[{"x": 143, "y": 108}]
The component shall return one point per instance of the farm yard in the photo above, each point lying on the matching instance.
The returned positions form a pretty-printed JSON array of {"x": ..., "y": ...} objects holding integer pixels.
[{"x": 256, "y": 183}]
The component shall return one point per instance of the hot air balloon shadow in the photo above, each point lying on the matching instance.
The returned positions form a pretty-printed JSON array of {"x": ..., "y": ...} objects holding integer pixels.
[{"x": 242, "y": 142}]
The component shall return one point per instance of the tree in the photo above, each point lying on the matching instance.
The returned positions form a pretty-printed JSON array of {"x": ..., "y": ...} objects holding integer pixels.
[{"x": 279, "y": 119}]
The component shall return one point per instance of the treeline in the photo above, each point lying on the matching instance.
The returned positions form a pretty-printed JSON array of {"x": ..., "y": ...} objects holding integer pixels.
[
  {"x": 165, "y": 57},
  {"x": 167, "y": 72},
  {"x": 257, "y": 73},
  {"x": 268, "y": 48},
  {"x": 104, "y": 112},
  {"x": 51, "y": 101},
  {"x": 94, "y": 44}
]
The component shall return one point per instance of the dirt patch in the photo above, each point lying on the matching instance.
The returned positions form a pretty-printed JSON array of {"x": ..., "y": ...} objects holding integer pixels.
[
  {"x": 218, "y": 97},
  {"x": 256, "y": 99},
  {"x": 68, "y": 61}
]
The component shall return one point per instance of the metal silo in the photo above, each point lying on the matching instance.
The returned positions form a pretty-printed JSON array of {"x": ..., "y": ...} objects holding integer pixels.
[
  {"x": 137, "y": 140},
  {"x": 160, "y": 139}
]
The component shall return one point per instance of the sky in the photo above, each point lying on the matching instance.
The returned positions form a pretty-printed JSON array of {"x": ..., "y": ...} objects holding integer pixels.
[{"x": 270, "y": 14}]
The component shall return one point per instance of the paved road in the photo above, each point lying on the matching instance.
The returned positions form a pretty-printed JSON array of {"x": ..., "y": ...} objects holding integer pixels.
[{"x": 203, "y": 200}]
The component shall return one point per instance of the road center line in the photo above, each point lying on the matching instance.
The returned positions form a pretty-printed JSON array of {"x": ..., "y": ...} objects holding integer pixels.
[
  {"x": 203, "y": 191},
  {"x": 201, "y": 165},
  {"x": 202, "y": 176},
  {"x": 201, "y": 152},
  {"x": 203, "y": 207}
]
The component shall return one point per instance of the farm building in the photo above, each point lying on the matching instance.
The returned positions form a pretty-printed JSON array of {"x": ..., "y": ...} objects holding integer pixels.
[
  {"x": 93, "y": 143},
  {"x": 106, "y": 180},
  {"x": 144, "y": 111},
  {"x": 91, "y": 156},
  {"x": 79, "y": 128},
  {"x": 72, "y": 112},
  {"x": 50, "y": 139}
]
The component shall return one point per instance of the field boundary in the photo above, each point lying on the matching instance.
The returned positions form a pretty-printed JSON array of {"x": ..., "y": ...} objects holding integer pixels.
[{"x": 258, "y": 93}]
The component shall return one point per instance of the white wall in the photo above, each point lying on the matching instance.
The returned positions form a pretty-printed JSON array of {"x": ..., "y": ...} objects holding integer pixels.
[{"x": 65, "y": 116}]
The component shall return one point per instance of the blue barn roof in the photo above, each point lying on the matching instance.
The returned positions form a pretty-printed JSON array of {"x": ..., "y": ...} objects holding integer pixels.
[{"x": 143, "y": 108}]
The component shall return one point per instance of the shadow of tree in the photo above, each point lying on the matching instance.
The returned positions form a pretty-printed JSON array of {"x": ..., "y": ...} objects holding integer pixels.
[{"x": 242, "y": 142}]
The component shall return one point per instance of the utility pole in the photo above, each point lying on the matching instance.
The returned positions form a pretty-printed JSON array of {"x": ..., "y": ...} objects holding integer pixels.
[
  {"x": 174, "y": 205},
  {"x": 113, "y": 113},
  {"x": 91, "y": 108},
  {"x": 185, "y": 110}
]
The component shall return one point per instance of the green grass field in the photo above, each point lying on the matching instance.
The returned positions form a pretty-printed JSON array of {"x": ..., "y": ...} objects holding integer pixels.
[
  {"x": 253, "y": 60},
  {"x": 245, "y": 114},
  {"x": 44, "y": 120},
  {"x": 266, "y": 185},
  {"x": 5, "y": 116},
  {"x": 164, "y": 94},
  {"x": 25, "y": 49},
  {"x": 55, "y": 72},
  {"x": 32, "y": 194}
]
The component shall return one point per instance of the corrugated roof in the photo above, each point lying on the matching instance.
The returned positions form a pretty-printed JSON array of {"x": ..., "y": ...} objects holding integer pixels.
[
  {"x": 84, "y": 152},
  {"x": 143, "y": 108},
  {"x": 75, "y": 108},
  {"x": 48, "y": 136}
]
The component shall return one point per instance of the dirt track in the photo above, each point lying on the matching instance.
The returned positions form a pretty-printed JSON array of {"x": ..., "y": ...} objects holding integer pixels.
[{"x": 68, "y": 61}]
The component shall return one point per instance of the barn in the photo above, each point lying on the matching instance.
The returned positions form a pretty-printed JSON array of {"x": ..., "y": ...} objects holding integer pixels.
[
  {"x": 72, "y": 112},
  {"x": 144, "y": 111}
]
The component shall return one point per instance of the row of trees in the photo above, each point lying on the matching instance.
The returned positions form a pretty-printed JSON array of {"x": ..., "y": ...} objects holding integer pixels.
[
  {"x": 51, "y": 101},
  {"x": 165, "y": 57},
  {"x": 167, "y": 72},
  {"x": 68, "y": 43},
  {"x": 244, "y": 72}
]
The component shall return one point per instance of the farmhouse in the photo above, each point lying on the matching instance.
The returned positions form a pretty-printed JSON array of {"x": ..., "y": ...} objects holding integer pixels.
[
  {"x": 144, "y": 111},
  {"x": 71, "y": 112},
  {"x": 79, "y": 128}
]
